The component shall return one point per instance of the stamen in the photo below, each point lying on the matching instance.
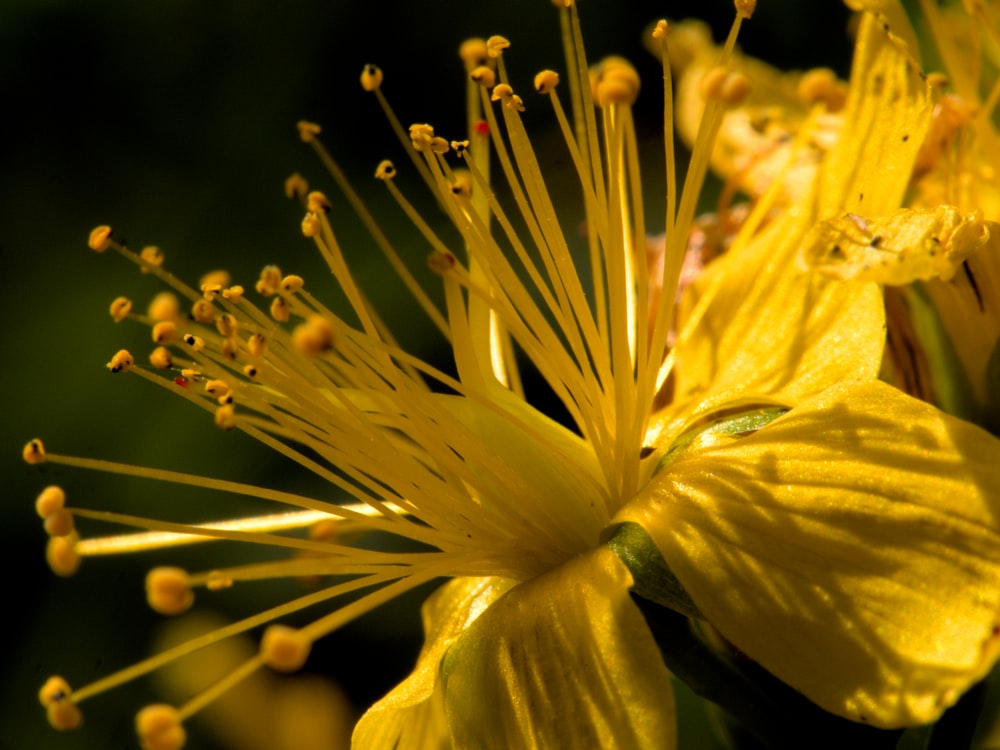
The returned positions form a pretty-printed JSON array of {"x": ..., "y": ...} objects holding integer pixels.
[{"x": 159, "y": 728}]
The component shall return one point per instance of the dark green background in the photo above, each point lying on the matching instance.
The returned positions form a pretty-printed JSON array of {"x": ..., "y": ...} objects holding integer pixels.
[{"x": 174, "y": 122}]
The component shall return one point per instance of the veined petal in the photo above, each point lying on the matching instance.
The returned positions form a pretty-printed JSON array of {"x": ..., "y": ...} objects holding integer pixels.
[
  {"x": 565, "y": 660},
  {"x": 851, "y": 547},
  {"x": 771, "y": 328},
  {"x": 412, "y": 716}
]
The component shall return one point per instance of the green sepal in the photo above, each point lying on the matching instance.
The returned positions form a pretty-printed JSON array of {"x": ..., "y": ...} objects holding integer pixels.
[
  {"x": 653, "y": 580},
  {"x": 732, "y": 425}
]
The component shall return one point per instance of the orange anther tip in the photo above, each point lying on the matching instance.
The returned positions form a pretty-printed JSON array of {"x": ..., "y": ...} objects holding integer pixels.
[
  {"x": 473, "y": 52},
  {"x": 280, "y": 310},
  {"x": 55, "y": 695},
  {"x": 484, "y": 76},
  {"x": 165, "y": 306},
  {"x": 152, "y": 255},
  {"x": 661, "y": 30},
  {"x": 59, "y": 523},
  {"x": 120, "y": 308},
  {"x": 160, "y": 358},
  {"x": 296, "y": 186},
  {"x": 121, "y": 362},
  {"x": 225, "y": 417},
  {"x": 546, "y": 81},
  {"x": 100, "y": 238},
  {"x": 385, "y": 170},
  {"x": 50, "y": 500},
  {"x": 61, "y": 554},
  {"x": 371, "y": 77},
  {"x": 496, "y": 44},
  {"x": 318, "y": 202},
  {"x": 159, "y": 728},
  {"x": 745, "y": 8},
  {"x": 284, "y": 649},
  {"x": 307, "y": 130},
  {"x": 34, "y": 452},
  {"x": 168, "y": 591}
]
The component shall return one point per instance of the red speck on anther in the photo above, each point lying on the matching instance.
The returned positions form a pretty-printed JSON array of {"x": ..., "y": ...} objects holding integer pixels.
[
  {"x": 182, "y": 382},
  {"x": 482, "y": 128}
]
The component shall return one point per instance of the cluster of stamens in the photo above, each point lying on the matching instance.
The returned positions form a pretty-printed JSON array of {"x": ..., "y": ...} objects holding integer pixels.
[{"x": 346, "y": 402}]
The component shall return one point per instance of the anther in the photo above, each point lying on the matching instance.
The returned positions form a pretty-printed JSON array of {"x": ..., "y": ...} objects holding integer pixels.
[
  {"x": 208, "y": 291},
  {"x": 51, "y": 508},
  {"x": 165, "y": 306},
  {"x": 473, "y": 53},
  {"x": 296, "y": 186},
  {"x": 463, "y": 183},
  {"x": 712, "y": 83},
  {"x": 270, "y": 278},
  {"x": 227, "y": 324},
  {"x": 318, "y": 202},
  {"x": 159, "y": 728},
  {"x": 661, "y": 30},
  {"x": 168, "y": 591},
  {"x": 225, "y": 417},
  {"x": 614, "y": 81},
  {"x": 234, "y": 293},
  {"x": 61, "y": 554},
  {"x": 34, "y": 452},
  {"x": 546, "y": 81},
  {"x": 385, "y": 170},
  {"x": 219, "y": 277},
  {"x": 195, "y": 342},
  {"x": 284, "y": 649},
  {"x": 495, "y": 45},
  {"x": 256, "y": 345},
  {"x": 251, "y": 371},
  {"x": 484, "y": 76},
  {"x": 745, "y": 8},
  {"x": 54, "y": 696},
  {"x": 100, "y": 238},
  {"x": 371, "y": 77},
  {"x": 439, "y": 145},
  {"x": 459, "y": 146},
  {"x": 217, "y": 581},
  {"x": 501, "y": 91},
  {"x": 292, "y": 283},
  {"x": 311, "y": 226},
  {"x": 50, "y": 500},
  {"x": 152, "y": 255},
  {"x": 121, "y": 362},
  {"x": 441, "y": 262},
  {"x": 230, "y": 348},
  {"x": 421, "y": 135},
  {"x": 160, "y": 358},
  {"x": 307, "y": 130},
  {"x": 735, "y": 89},
  {"x": 164, "y": 332},
  {"x": 315, "y": 336},
  {"x": 120, "y": 308},
  {"x": 821, "y": 85},
  {"x": 203, "y": 311},
  {"x": 217, "y": 388}
]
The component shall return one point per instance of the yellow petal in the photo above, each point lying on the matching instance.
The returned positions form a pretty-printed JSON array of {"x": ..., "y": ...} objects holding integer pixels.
[
  {"x": 772, "y": 328},
  {"x": 563, "y": 661},
  {"x": 412, "y": 716},
  {"x": 886, "y": 118},
  {"x": 851, "y": 547}
]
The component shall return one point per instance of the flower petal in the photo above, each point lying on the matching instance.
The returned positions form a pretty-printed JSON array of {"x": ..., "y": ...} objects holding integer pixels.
[
  {"x": 851, "y": 547},
  {"x": 411, "y": 716},
  {"x": 770, "y": 328},
  {"x": 565, "y": 660}
]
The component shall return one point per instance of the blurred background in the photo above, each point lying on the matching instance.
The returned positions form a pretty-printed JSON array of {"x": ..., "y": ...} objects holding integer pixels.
[{"x": 175, "y": 123}]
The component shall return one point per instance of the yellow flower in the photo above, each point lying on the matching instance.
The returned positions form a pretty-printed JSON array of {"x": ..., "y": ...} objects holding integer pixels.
[{"x": 840, "y": 533}]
